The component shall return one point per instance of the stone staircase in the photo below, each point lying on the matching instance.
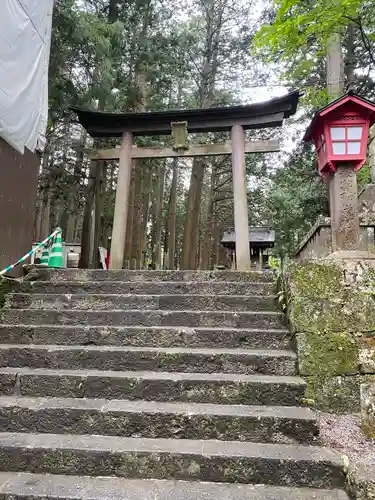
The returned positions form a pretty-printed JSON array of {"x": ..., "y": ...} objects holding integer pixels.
[{"x": 156, "y": 385}]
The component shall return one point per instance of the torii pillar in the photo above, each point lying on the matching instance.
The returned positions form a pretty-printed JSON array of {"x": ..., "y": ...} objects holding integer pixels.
[
  {"x": 241, "y": 217},
  {"x": 121, "y": 204}
]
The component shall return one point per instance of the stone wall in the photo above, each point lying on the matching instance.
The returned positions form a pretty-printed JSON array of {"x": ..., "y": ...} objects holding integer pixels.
[
  {"x": 360, "y": 481},
  {"x": 317, "y": 243},
  {"x": 331, "y": 311}
]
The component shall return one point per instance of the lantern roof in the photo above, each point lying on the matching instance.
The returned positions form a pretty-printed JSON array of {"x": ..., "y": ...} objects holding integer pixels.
[{"x": 367, "y": 106}]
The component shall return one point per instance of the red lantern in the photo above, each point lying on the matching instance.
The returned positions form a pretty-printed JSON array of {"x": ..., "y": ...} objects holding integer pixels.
[{"x": 340, "y": 132}]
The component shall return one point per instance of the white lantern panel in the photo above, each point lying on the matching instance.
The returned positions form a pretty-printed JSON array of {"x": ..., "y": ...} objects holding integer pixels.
[
  {"x": 354, "y": 148},
  {"x": 355, "y": 132},
  {"x": 337, "y": 133},
  {"x": 338, "y": 148}
]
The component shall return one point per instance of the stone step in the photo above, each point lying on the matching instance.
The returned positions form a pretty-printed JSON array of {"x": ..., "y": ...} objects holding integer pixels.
[
  {"x": 143, "y": 336},
  {"x": 216, "y": 388},
  {"x": 28, "y": 486},
  {"x": 57, "y": 275},
  {"x": 150, "y": 287},
  {"x": 204, "y": 460},
  {"x": 148, "y": 419},
  {"x": 104, "y": 302},
  {"x": 171, "y": 359},
  {"x": 257, "y": 320}
]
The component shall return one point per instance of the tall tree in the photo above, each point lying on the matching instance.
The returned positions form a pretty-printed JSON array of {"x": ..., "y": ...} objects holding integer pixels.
[{"x": 215, "y": 56}]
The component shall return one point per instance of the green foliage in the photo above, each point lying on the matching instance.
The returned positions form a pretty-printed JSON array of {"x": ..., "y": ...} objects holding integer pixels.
[
  {"x": 297, "y": 197},
  {"x": 297, "y": 38},
  {"x": 363, "y": 177},
  {"x": 300, "y": 25}
]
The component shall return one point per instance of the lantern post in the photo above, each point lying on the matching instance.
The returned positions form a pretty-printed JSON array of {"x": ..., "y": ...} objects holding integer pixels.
[{"x": 340, "y": 133}]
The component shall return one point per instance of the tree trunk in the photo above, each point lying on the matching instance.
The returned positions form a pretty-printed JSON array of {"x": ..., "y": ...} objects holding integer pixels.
[
  {"x": 78, "y": 226},
  {"x": 92, "y": 237},
  {"x": 172, "y": 207},
  {"x": 192, "y": 216},
  {"x": 134, "y": 238},
  {"x": 207, "y": 241},
  {"x": 86, "y": 236},
  {"x": 86, "y": 223},
  {"x": 40, "y": 226},
  {"x": 113, "y": 11},
  {"x": 137, "y": 218},
  {"x": 71, "y": 222},
  {"x": 350, "y": 60},
  {"x": 130, "y": 220},
  {"x": 213, "y": 15},
  {"x": 335, "y": 65},
  {"x": 73, "y": 205},
  {"x": 145, "y": 213},
  {"x": 98, "y": 212},
  {"x": 335, "y": 78},
  {"x": 46, "y": 218},
  {"x": 216, "y": 236},
  {"x": 38, "y": 218},
  {"x": 57, "y": 211},
  {"x": 157, "y": 217}
]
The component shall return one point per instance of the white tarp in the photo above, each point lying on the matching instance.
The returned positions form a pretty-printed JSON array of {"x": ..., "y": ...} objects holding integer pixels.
[{"x": 25, "y": 39}]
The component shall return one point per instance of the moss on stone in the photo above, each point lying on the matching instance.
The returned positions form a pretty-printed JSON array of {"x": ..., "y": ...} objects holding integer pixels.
[
  {"x": 360, "y": 477},
  {"x": 339, "y": 394},
  {"x": 352, "y": 312},
  {"x": 6, "y": 286},
  {"x": 367, "y": 390},
  {"x": 315, "y": 280},
  {"x": 168, "y": 358},
  {"x": 366, "y": 356},
  {"x": 327, "y": 354},
  {"x": 330, "y": 309},
  {"x": 368, "y": 430}
]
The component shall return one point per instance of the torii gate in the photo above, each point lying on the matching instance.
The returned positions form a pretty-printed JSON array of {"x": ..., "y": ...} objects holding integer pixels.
[{"x": 179, "y": 123}]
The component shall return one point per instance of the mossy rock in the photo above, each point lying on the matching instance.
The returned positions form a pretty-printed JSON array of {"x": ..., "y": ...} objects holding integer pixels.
[
  {"x": 331, "y": 308},
  {"x": 339, "y": 394},
  {"x": 360, "y": 480},
  {"x": 367, "y": 392},
  {"x": 353, "y": 312},
  {"x": 366, "y": 350},
  {"x": 7, "y": 285},
  {"x": 368, "y": 408},
  {"x": 314, "y": 280},
  {"x": 327, "y": 354}
]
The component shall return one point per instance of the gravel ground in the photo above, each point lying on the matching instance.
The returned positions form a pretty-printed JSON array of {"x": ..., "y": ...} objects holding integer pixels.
[{"x": 344, "y": 434}]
